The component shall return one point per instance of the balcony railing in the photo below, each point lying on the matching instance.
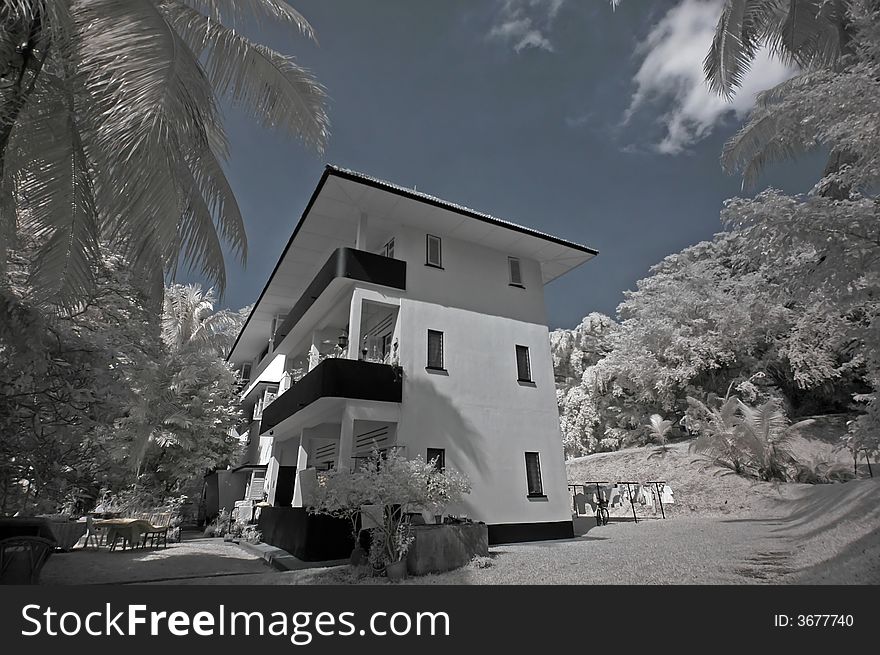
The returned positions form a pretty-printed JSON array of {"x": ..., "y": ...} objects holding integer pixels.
[
  {"x": 345, "y": 263},
  {"x": 335, "y": 378}
]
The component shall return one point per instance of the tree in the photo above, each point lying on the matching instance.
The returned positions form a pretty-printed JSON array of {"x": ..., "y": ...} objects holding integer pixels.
[
  {"x": 110, "y": 131},
  {"x": 189, "y": 321},
  {"x": 809, "y": 33},
  {"x": 658, "y": 429}
]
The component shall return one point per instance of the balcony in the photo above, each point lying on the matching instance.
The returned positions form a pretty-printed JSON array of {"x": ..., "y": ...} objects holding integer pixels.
[
  {"x": 335, "y": 378},
  {"x": 345, "y": 263}
]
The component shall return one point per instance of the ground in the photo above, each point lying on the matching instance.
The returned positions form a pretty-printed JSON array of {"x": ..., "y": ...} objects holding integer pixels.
[
  {"x": 805, "y": 534},
  {"x": 722, "y": 529}
]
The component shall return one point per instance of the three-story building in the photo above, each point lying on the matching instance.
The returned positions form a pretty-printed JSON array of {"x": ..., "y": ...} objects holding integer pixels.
[{"x": 394, "y": 318}]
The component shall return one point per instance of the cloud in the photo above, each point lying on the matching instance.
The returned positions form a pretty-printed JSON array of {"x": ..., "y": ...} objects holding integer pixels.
[
  {"x": 671, "y": 76},
  {"x": 580, "y": 120},
  {"x": 526, "y": 23}
]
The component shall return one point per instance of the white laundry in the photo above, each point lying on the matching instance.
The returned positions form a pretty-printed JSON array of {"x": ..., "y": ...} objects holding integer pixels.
[
  {"x": 666, "y": 495},
  {"x": 648, "y": 495}
]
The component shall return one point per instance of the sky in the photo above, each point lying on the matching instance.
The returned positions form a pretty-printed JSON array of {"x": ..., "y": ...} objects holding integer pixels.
[{"x": 587, "y": 122}]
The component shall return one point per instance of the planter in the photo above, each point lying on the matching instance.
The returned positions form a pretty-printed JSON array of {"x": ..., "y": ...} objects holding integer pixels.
[
  {"x": 439, "y": 548},
  {"x": 396, "y": 571}
]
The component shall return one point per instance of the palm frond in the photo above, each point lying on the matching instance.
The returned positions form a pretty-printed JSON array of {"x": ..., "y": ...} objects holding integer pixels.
[
  {"x": 218, "y": 196},
  {"x": 805, "y": 32},
  {"x": 235, "y": 12},
  {"x": 771, "y": 134},
  {"x": 151, "y": 110},
  {"x": 57, "y": 207},
  {"x": 197, "y": 235},
  {"x": 268, "y": 85},
  {"x": 736, "y": 42}
]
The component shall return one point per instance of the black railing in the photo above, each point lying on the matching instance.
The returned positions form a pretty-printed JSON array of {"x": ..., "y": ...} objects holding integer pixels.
[
  {"x": 335, "y": 378},
  {"x": 348, "y": 263}
]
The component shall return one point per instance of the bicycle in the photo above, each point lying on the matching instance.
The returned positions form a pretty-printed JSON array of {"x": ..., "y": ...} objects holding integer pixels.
[{"x": 602, "y": 512}]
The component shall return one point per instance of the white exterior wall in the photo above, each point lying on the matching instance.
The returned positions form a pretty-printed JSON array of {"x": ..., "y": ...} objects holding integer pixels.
[
  {"x": 480, "y": 414},
  {"x": 477, "y": 411},
  {"x": 473, "y": 277}
]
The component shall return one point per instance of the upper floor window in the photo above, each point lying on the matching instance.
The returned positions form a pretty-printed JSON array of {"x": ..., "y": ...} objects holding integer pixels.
[
  {"x": 388, "y": 249},
  {"x": 245, "y": 373},
  {"x": 435, "y": 349},
  {"x": 523, "y": 366},
  {"x": 533, "y": 475},
  {"x": 433, "y": 256},
  {"x": 515, "y": 272}
]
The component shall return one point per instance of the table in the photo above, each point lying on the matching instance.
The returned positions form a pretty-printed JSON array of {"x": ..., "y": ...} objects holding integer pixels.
[
  {"x": 131, "y": 531},
  {"x": 67, "y": 533}
]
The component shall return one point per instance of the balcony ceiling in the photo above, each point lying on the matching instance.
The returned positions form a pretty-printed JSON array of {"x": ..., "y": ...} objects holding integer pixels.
[{"x": 330, "y": 221}]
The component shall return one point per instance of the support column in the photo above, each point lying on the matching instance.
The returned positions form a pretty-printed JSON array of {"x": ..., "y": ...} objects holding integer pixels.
[
  {"x": 354, "y": 326},
  {"x": 361, "y": 242},
  {"x": 302, "y": 461},
  {"x": 272, "y": 472},
  {"x": 346, "y": 439}
]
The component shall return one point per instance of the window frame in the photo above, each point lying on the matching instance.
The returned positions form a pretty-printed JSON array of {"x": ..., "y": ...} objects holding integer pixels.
[
  {"x": 539, "y": 493},
  {"x": 428, "y": 262},
  {"x": 428, "y": 365},
  {"x": 528, "y": 362},
  {"x": 386, "y": 251},
  {"x": 511, "y": 282}
]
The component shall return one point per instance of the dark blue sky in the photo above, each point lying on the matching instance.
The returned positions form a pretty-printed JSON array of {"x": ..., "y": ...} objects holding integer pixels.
[{"x": 422, "y": 95}]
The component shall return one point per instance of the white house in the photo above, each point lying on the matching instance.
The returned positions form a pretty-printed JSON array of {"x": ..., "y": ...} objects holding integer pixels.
[{"x": 394, "y": 318}]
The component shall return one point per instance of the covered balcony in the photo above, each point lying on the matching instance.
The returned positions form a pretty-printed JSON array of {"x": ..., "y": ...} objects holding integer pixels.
[
  {"x": 344, "y": 263},
  {"x": 335, "y": 378}
]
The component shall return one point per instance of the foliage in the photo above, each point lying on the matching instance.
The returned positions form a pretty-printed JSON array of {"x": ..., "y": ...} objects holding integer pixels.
[
  {"x": 818, "y": 471},
  {"x": 94, "y": 399},
  {"x": 658, "y": 429},
  {"x": 809, "y": 33},
  {"x": 748, "y": 440},
  {"x": 110, "y": 131},
  {"x": 388, "y": 487}
]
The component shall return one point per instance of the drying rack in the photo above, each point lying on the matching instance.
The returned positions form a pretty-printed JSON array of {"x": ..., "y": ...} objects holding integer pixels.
[{"x": 596, "y": 483}]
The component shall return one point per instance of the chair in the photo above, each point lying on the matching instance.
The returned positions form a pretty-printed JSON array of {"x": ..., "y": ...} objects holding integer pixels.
[
  {"x": 94, "y": 534},
  {"x": 22, "y": 559},
  {"x": 158, "y": 530}
]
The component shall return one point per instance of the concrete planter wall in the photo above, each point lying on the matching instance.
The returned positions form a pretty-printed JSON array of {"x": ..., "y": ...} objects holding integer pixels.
[{"x": 439, "y": 548}]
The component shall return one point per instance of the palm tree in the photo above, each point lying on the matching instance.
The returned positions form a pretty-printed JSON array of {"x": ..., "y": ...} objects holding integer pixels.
[
  {"x": 765, "y": 432},
  {"x": 658, "y": 429},
  {"x": 809, "y": 33},
  {"x": 190, "y": 322},
  {"x": 110, "y": 131},
  {"x": 813, "y": 34},
  {"x": 719, "y": 435}
]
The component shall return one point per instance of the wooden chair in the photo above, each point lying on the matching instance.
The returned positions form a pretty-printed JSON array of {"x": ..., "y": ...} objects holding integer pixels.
[
  {"x": 22, "y": 559},
  {"x": 158, "y": 530},
  {"x": 95, "y": 534}
]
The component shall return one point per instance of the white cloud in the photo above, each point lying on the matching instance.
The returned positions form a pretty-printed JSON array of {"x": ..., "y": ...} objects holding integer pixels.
[
  {"x": 526, "y": 23},
  {"x": 671, "y": 75}
]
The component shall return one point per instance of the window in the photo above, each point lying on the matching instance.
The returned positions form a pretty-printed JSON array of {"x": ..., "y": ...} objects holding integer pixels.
[
  {"x": 245, "y": 373},
  {"x": 515, "y": 272},
  {"x": 432, "y": 252},
  {"x": 388, "y": 249},
  {"x": 533, "y": 475},
  {"x": 523, "y": 369},
  {"x": 440, "y": 455},
  {"x": 435, "y": 349}
]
